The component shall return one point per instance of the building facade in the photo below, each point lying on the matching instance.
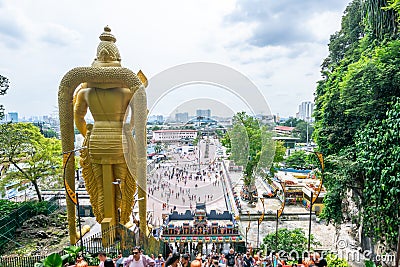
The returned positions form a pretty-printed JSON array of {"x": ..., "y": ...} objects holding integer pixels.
[
  {"x": 203, "y": 113},
  {"x": 12, "y": 116},
  {"x": 306, "y": 109},
  {"x": 156, "y": 119},
  {"x": 182, "y": 117},
  {"x": 173, "y": 135}
]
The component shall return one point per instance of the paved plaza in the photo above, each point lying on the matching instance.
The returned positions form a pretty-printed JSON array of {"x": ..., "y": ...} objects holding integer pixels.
[{"x": 181, "y": 182}]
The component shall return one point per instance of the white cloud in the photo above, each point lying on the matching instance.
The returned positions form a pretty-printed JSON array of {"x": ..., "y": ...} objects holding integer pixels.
[
  {"x": 277, "y": 45},
  {"x": 58, "y": 35},
  {"x": 324, "y": 24}
]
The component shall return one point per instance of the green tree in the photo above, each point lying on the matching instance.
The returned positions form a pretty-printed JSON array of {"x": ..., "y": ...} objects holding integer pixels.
[
  {"x": 361, "y": 76},
  {"x": 195, "y": 141},
  {"x": 394, "y": 5},
  {"x": 251, "y": 146},
  {"x": 278, "y": 158},
  {"x": 342, "y": 172},
  {"x": 378, "y": 150},
  {"x": 297, "y": 160},
  {"x": 293, "y": 242},
  {"x": 49, "y": 133},
  {"x": 304, "y": 131},
  {"x": 334, "y": 260},
  {"x": 34, "y": 157},
  {"x": 158, "y": 147},
  {"x": 291, "y": 122},
  {"x": 155, "y": 128},
  {"x": 280, "y": 151},
  {"x": 219, "y": 132},
  {"x": 380, "y": 21},
  {"x": 4, "y": 85}
]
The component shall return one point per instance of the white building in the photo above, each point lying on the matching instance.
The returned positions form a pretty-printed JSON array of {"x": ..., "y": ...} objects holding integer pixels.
[
  {"x": 306, "y": 109},
  {"x": 173, "y": 135}
]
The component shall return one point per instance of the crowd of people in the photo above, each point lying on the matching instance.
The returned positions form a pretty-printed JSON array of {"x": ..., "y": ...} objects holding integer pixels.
[
  {"x": 248, "y": 259},
  {"x": 178, "y": 184},
  {"x": 230, "y": 259},
  {"x": 184, "y": 184},
  {"x": 214, "y": 259}
]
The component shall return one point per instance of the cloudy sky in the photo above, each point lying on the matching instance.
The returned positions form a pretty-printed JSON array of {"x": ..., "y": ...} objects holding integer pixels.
[{"x": 278, "y": 44}]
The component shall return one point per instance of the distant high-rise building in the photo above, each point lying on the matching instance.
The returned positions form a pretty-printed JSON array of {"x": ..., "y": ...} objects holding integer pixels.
[
  {"x": 182, "y": 117},
  {"x": 12, "y": 116},
  {"x": 306, "y": 109},
  {"x": 160, "y": 118},
  {"x": 203, "y": 113},
  {"x": 156, "y": 118}
]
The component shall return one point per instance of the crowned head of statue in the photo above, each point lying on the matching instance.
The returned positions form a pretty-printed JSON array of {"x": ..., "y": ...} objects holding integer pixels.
[{"x": 107, "y": 52}]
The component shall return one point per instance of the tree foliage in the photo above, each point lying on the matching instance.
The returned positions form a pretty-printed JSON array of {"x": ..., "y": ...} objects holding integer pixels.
[
  {"x": 280, "y": 152},
  {"x": 304, "y": 131},
  {"x": 291, "y": 122},
  {"x": 251, "y": 146},
  {"x": 380, "y": 20},
  {"x": 34, "y": 207},
  {"x": 394, "y": 5},
  {"x": 353, "y": 106},
  {"x": 4, "y": 85},
  {"x": 28, "y": 155},
  {"x": 300, "y": 159},
  {"x": 334, "y": 260},
  {"x": 294, "y": 242},
  {"x": 378, "y": 151},
  {"x": 158, "y": 147}
]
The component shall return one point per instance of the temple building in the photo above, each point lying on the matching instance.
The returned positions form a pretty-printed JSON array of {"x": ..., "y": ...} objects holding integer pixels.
[
  {"x": 173, "y": 135},
  {"x": 201, "y": 231}
]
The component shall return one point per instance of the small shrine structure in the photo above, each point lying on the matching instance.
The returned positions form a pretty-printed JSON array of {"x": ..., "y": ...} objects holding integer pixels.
[{"x": 193, "y": 231}]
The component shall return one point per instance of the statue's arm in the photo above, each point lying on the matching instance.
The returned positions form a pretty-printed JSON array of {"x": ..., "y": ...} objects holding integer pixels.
[{"x": 80, "y": 110}]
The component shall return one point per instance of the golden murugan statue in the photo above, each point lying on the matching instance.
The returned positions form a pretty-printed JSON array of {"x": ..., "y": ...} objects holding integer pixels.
[{"x": 110, "y": 154}]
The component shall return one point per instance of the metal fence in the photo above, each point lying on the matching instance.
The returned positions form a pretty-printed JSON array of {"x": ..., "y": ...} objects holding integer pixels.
[
  {"x": 20, "y": 261},
  {"x": 121, "y": 239},
  {"x": 115, "y": 240},
  {"x": 11, "y": 222}
]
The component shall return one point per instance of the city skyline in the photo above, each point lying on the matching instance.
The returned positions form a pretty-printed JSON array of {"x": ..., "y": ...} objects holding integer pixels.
[
  {"x": 187, "y": 107},
  {"x": 279, "y": 46}
]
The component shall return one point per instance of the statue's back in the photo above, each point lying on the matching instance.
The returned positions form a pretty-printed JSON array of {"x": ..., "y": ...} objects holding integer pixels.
[{"x": 108, "y": 104}]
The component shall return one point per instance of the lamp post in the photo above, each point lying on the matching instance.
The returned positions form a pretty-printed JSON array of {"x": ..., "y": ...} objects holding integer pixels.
[
  {"x": 279, "y": 212},
  {"x": 309, "y": 224},
  {"x": 199, "y": 137},
  {"x": 317, "y": 192}
]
